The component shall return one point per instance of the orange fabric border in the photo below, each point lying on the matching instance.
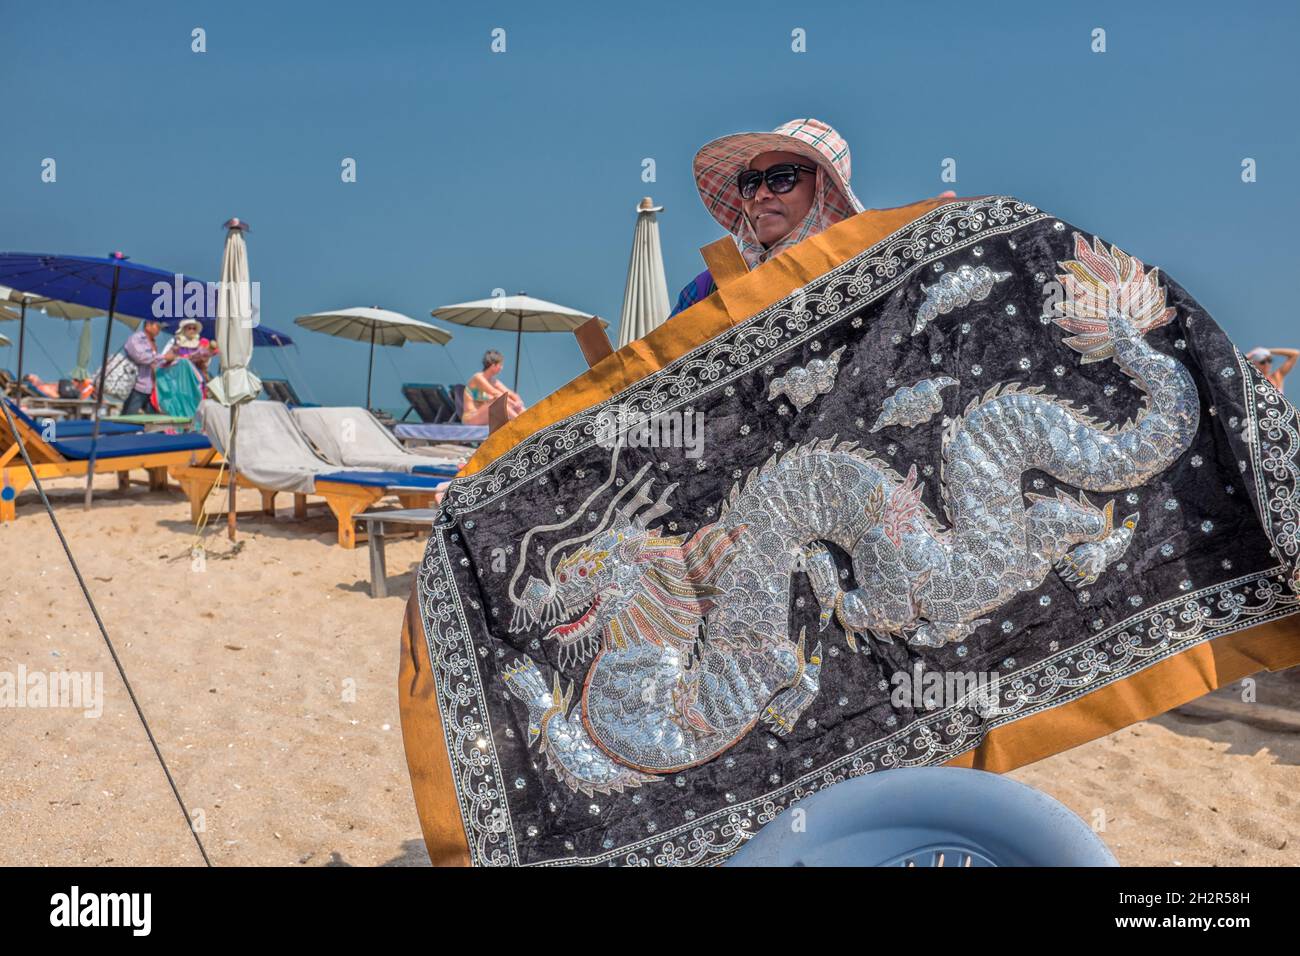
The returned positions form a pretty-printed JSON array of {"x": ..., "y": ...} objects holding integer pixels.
[
  {"x": 725, "y": 262},
  {"x": 1161, "y": 687},
  {"x": 426, "y": 747}
]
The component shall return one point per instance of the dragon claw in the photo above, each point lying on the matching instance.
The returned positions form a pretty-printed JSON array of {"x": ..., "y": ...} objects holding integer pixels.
[
  {"x": 786, "y": 707},
  {"x": 1082, "y": 565},
  {"x": 819, "y": 565}
]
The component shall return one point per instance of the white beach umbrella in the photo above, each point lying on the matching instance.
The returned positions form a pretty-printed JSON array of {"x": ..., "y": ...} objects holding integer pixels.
[
  {"x": 235, "y": 320},
  {"x": 645, "y": 297},
  {"x": 515, "y": 313},
  {"x": 376, "y": 326}
]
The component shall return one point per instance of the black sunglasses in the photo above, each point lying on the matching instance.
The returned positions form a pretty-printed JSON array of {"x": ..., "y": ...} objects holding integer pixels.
[{"x": 780, "y": 178}]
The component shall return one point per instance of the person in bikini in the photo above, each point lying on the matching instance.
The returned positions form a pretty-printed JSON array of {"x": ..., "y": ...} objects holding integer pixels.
[{"x": 483, "y": 389}]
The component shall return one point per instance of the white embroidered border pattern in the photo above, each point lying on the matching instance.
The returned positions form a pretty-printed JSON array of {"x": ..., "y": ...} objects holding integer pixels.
[
  {"x": 466, "y": 722},
  {"x": 1273, "y": 433},
  {"x": 1113, "y": 654}
]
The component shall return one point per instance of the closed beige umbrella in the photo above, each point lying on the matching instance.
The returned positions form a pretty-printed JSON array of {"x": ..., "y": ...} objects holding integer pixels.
[
  {"x": 645, "y": 298},
  {"x": 235, "y": 320}
]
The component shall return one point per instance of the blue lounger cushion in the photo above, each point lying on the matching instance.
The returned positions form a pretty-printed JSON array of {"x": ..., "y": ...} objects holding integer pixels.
[
  {"x": 73, "y": 429},
  {"x": 120, "y": 446},
  {"x": 384, "y": 479},
  {"x": 441, "y": 471},
  {"x": 442, "y": 432},
  {"x": 84, "y": 429}
]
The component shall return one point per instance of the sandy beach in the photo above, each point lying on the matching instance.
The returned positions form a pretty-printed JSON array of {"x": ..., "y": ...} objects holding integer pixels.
[{"x": 246, "y": 670}]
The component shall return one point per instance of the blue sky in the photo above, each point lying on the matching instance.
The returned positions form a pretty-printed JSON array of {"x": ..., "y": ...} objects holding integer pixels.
[{"x": 521, "y": 170}]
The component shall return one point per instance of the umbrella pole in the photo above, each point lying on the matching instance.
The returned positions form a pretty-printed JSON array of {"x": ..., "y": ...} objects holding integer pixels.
[
  {"x": 99, "y": 390},
  {"x": 371, "y": 373},
  {"x": 519, "y": 341},
  {"x": 22, "y": 341},
  {"x": 232, "y": 515}
]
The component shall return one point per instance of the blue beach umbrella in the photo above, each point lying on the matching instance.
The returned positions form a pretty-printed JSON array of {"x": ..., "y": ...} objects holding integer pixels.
[
  {"x": 112, "y": 284},
  {"x": 263, "y": 337}
]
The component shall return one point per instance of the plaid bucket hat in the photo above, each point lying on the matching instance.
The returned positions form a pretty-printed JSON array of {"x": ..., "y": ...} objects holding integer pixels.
[{"x": 719, "y": 162}]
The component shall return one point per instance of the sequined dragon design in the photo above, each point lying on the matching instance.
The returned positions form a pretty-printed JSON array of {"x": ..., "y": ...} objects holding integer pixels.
[{"x": 688, "y": 637}]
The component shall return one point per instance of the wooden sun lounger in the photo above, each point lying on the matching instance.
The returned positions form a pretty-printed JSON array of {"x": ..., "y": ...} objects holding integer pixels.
[
  {"x": 74, "y": 407},
  {"x": 345, "y": 499},
  {"x": 112, "y": 456}
]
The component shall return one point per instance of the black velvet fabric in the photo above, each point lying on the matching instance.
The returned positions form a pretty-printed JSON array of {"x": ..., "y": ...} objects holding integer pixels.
[{"x": 1215, "y": 549}]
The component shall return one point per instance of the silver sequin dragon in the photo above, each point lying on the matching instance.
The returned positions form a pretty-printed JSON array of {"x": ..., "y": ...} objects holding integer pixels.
[{"x": 689, "y": 637}]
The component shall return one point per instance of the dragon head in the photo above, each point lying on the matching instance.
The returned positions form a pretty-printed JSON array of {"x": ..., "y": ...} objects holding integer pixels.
[
  {"x": 599, "y": 579},
  {"x": 626, "y": 581}
]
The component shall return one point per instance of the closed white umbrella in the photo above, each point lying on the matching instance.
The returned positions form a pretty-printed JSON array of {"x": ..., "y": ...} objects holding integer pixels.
[
  {"x": 516, "y": 313},
  {"x": 85, "y": 351},
  {"x": 235, "y": 320},
  {"x": 376, "y": 326},
  {"x": 645, "y": 297}
]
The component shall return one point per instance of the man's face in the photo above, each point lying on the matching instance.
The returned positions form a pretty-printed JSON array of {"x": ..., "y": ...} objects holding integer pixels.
[
  {"x": 774, "y": 215},
  {"x": 152, "y": 329},
  {"x": 1263, "y": 364}
]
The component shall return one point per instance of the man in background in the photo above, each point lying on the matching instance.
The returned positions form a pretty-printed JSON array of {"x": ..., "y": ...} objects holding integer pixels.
[
  {"x": 1263, "y": 359},
  {"x": 142, "y": 349}
]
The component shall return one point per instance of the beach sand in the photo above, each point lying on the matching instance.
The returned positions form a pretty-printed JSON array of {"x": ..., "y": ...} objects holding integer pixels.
[{"x": 244, "y": 669}]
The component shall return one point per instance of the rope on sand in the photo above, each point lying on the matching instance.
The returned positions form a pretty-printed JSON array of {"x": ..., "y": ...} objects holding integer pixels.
[
  {"x": 49, "y": 509},
  {"x": 201, "y": 525}
]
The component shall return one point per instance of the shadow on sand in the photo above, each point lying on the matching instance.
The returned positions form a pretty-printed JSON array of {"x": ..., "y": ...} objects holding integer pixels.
[
  {"x": 1277, "y": 697},
  {"x": 413, "y": 854}
]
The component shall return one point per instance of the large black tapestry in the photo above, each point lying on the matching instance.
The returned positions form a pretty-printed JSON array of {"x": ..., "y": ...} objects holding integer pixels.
[{"x": 992, "y": 444}]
